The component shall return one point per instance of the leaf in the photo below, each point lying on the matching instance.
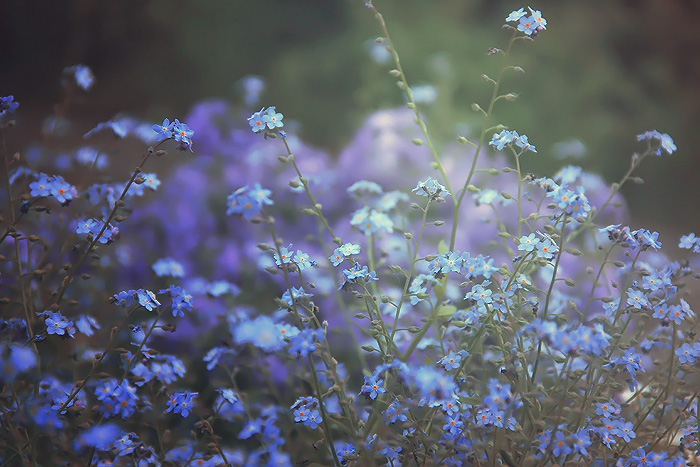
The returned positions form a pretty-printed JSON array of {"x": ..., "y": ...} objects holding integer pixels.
[{"x": 446, "y": 311}]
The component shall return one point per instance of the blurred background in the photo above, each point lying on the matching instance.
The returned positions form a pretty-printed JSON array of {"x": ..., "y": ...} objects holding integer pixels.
[{"x": 603, "y": 72}]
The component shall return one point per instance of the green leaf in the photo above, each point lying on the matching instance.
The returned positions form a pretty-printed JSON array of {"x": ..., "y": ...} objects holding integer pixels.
[{"x": 446, "y": 311}]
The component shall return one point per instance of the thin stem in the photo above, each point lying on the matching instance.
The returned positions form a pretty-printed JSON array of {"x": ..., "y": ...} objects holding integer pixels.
[{"x": 117, "y": 204}]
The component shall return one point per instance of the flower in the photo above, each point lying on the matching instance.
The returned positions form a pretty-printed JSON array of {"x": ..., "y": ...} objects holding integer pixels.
[
  {"x": 688, "y": 241},
  {"x": 313, "y": 420},
  {"x": 100, "y": 436},
  {"x": 528, "y": 243},
  {"x": 516, "y": 15},
  {"x": 248, "y": 202},
  {"x": 302, "y": 260},
  {"x": 527, "y": 25},
  {"x": 344, "y": 251},
  {"x": 183, "y": 134},
  {"x": 273, "y": 118},
  {"x": 430, "y": 188},
  {"x": 373, "y": 387},
  {"x": 168, "y": 267},
  {"x": 284, "y": 256},
  {"x": 257, "y": 121},
  {"x": 500, "y": 140},
  {"x": 538, "y": 19},
  {"x": 82, "y": 75},
  {"x": 165, "y": 130},
  {"x": 181, "y": 402},
  {"x": 358, "y": 271},
  {"x": 267, "y": 120},
  {"x": 452, "y": 360},
  {"x": 57, "y": 324},
  {"x": 303, "y": 342},
  {"x": 687, "y": 353},
  {"x": 666, "y": 143},
  {"x": 7, "y": 105}
]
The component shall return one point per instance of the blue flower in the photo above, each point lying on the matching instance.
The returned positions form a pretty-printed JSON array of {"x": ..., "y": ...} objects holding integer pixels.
[
  {"x": 451, "y": 262},
  {"x": 87, "y": 325},
  {"x": 41, "y": 186},
  {"x": 370, "y": 220},
  {"x": 7, "y": 105},
  {"x": 373, "y": 387},
  {"x": 257, "y": 121},
  {"x": 100, "y": 436},
  {"x": 540, "y": 22},
  {"x": 431, "y": 188},
  {"x": 272, "y": 118},
  {"x": 528, "y": 242},
  {"x": 59, "y": 325},
  {"x": 303, "y": 342},
  {"x": 165, "y": 130},
  {"x": 350, "y": 276},
  {"x": 580, "y": 441},
  {"x": 527, "y": 25},
  {"x": 500, "y": 140},
  {"x": 688, "y": 241},
  {"x": 147, "y": 299},
  {"x": 253, "y": 427},
  {"x": 452, "y": 360},
  {"x": 344, "y": 251},
  {"x": 261, "y": 195},
  {"x": 151, "y": 181},
  {"x": 294, "y": 294},
  {"x": 546, "y": 248},
  {"x": 396, "y": 413},
  {"x": 62, "y": 191},
  {"x": 453, "y": 426},
  {"x": 516, "y": 15},
  {"x": 687, "y": 353},
  {"x": 260, "y": 332},
  {"x": 19, "y": 359},
  {"x": 284, "y": 256},
  {"x": 168, "y": 267},
  {"x": 345, "y": 453},
  {"x": 82, "y": 75},
  {"x": 248, "y": 203},
  {"x": 313, "y": 420},
  {"x": 302, "y": 260},
  {"x": 181, "y": 402},
  {"x": 183, "y": 134},
  {"x": 637, "y": 299},
  {"x": 666, "y": 143},
  {"x": 522, "y": 142},
  {"x": 559, "y": 445}
]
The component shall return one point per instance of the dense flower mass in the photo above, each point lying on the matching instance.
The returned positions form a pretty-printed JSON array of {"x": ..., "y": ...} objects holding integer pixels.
[{"x": 480, "y": 316}]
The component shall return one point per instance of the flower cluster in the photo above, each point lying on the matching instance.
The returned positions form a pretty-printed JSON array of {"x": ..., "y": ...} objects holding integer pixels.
[
  {"x": 508, "y": 138},
  {"x": 54, "y": 186},
  {"x": 179, "y": 131},
  {"x": 343, "y": 325},
  {"x": 267, "y": 120},
  {"x": 248, "y": 201},
  {"x": 530, "y": 24}
]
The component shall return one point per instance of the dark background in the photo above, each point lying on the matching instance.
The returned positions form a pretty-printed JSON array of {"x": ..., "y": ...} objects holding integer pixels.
[{"x": 603, "y": 72}]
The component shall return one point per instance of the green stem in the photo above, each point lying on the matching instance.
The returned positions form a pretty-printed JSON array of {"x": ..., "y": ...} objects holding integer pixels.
[{"x": 480, "y": 145}]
